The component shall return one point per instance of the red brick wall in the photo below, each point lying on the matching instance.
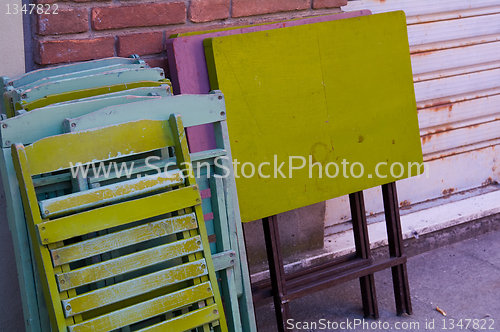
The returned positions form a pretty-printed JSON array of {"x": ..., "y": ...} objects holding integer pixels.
[{"x": 88, "y": 29}]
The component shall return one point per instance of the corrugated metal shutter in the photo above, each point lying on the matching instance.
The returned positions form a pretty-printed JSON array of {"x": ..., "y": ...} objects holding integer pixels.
[{"x": 455, "y": 50}]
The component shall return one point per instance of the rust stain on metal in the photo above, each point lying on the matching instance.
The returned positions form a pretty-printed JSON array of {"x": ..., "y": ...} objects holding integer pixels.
[
  {"x": 439, "y": 102},
  {"x": 448, "y": 192},
  {"x": 426, "y": 138},
  {"x": 436, "y": 133},
  {"x": 489, "y": 181},
  {"x": 404, "y": 205},
  {"x": 422, "y": 53},
  {"x": 441, "y": 108}
]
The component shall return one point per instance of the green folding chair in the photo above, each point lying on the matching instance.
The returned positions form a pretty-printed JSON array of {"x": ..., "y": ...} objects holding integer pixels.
[
  {"x": 6, "y": 82},
  {"x": 168, "y": 282},
  {"x": 219, "y": 201}
]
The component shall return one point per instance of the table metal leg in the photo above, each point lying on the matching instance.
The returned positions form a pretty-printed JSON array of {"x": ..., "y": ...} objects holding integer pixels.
[
  {"x": 396, "y": 249},
  {"x": 362, "y": 242},
  {"x": 276, "y": 270}
]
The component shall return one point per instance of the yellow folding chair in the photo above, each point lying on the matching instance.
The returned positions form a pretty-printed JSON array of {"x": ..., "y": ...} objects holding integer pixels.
[{"x": 158, "y": 273}]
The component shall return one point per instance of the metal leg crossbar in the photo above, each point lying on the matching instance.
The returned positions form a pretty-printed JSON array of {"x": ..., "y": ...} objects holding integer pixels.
[{"x": 284, "y": 288}]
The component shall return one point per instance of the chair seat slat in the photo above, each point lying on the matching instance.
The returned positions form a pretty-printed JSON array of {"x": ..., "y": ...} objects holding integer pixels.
[
  {"x": 130, "y": 288},
  {"x": 188, "y": 321},
  {"x": 128, "y": 263},
  {"x": 121, "y": 140},
  {"x": 118, "y": 214},
  {"x": 127, "y": 237},
  {"x": 118, "y": 191},
  {"x": 145, "y": 310}
]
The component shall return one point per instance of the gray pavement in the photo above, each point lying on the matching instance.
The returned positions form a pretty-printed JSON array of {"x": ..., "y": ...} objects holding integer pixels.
[{"x": 463, "y": 279}]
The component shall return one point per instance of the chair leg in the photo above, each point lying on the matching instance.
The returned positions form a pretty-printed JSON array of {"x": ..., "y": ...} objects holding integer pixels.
[
  {"x": 277, "y": 271},
  {"x": 362, "y": 242},
  {"x": 396, "y": 249}
]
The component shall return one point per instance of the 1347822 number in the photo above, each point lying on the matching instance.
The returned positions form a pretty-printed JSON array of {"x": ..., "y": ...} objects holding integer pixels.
[
  {"x": 476, "y": 324},
  {"x": 13, "y": 9}
]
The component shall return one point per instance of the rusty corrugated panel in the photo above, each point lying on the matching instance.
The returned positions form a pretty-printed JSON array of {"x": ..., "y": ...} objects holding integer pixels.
[
  {"x": 455, "y": 47},
  {"x": 418, "y": 7}
]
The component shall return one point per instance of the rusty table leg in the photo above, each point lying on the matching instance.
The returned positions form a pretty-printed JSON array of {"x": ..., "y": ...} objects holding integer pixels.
[
  {"x": 276, "y": 270},
  {"x": 395, "y": 239},
  {"x": 361, "y": 239}
]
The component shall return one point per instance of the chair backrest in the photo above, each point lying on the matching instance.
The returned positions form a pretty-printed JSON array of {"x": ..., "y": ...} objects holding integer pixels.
[{"x": 82, "y": 240}]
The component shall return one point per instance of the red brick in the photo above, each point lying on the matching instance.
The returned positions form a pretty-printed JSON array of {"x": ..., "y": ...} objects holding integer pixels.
[
  {"x": 318, "y": 4},
  {"x": 256, "y": 7},
  {"x": 52, "y": 1},
  {"x": 208, "y": 10},
  {"x": 140, "y": 43},
  {"x": 71, "y": 50},
  {"x": 66, "y": 21},
  {"x": 142, "y": 15}
]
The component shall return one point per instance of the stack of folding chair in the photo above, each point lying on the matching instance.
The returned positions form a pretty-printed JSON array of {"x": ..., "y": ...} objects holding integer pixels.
[
  {"x": 115, "y": 238},
  {"x": 64, "y": 83}
]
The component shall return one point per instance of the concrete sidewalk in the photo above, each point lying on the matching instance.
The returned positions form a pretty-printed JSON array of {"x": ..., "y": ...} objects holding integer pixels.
[{"x": 463, "y": 279}]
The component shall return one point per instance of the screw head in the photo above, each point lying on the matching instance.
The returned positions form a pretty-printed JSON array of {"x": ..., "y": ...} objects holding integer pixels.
[
  {"x": 46, "y": 212},
  {"x": 215, "y": 312},
  {"x": 203, "y": 266},
  {"x": 73, "y": 125},
  {"x": 68, "y": 307},
  {"x": 209, "y": 289},
  {"x": 232, "y": 261},
  {"x": 7, "y": 143},
  {"x": 57, "y": 257},
  {"x": 4, "y": 125},
  {"x": 198, "y": 242},
  {"x": 62, "y": 281},
  {"x": 45, "y": 240},
  {"x": 220, "y": 97}
]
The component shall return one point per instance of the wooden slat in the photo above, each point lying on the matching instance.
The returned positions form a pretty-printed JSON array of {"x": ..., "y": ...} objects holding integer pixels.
[
  {"x": 97, "y": 144},
  {"x": 41, "y": 253},
  {"x": 228, "y": 285},
  {"x": 128, "y": 263},
  {"x": 224, "y": 260},
  {"x": 34, "y": 125},
  {"x": 113, "y": 241},
  {"x": 80, "y": 74},
  {"x": 112, "y": 193},
  {"x": 35, "y": 128},
  {"x": 118, "y": 214},
  {"x": 155, "y": 164},
  {"x": 62, "y": 69},
  {"x": 93, "y": 81},
  {"x": 187, "y": 321},
  {"x": 51, "y": 179},
  {"x": 145, "y": 310},
  {"x": 130, "y": 288},
  {"x": 151, "y": 163},
  {"x": 195, "y": 110}
]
